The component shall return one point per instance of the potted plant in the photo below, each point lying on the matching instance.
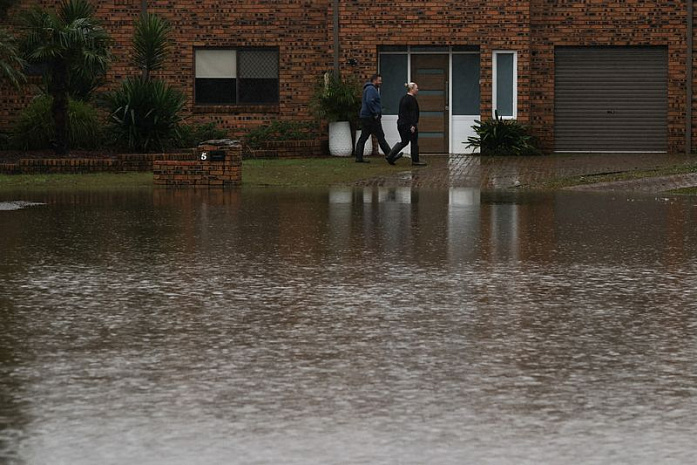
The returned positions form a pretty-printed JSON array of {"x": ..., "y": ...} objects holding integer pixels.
[{"x": 338, "y": 101}]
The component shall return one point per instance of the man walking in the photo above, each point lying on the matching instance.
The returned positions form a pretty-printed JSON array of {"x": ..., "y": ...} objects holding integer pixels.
[
  {"x": 371, "y": 116},
  {"x": 408, "y": 128}
]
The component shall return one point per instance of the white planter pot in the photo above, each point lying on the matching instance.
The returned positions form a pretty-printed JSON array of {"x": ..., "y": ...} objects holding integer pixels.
[{"x": 340, "y": 143}]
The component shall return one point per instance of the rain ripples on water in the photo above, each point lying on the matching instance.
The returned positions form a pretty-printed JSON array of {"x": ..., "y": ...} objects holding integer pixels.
[{"x": 372, "y": 326}]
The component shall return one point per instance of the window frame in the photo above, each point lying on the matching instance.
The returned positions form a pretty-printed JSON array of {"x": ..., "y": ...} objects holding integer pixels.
[
  {"x": 494, "y": 87},
  {"x": 237, "y": 103}
]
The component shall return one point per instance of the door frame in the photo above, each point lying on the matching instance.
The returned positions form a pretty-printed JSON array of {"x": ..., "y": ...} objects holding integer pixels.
[{"x": 459, "y": 126}]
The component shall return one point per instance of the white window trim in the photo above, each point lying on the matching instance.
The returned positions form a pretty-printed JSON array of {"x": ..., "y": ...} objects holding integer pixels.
[{"x": 494, "y": 103}]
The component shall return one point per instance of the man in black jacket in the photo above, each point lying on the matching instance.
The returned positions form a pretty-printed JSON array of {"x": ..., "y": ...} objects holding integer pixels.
[{"x": 407, "y": 125}]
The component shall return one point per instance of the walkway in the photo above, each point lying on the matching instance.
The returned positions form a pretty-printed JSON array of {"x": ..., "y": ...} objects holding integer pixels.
[{"x": 493, "y": 173}]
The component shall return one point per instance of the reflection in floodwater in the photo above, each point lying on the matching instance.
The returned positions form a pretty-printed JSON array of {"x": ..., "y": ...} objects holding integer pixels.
[{"x": 363, "y": 326}]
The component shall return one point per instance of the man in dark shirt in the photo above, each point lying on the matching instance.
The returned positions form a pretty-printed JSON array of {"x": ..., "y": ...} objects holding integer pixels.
[
  {"x": 370, "y": 116},
  {"x": 407, "y": 125}
]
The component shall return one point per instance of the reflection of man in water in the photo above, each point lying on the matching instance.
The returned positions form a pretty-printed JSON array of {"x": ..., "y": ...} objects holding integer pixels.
[{"x": 371, "y": 115}]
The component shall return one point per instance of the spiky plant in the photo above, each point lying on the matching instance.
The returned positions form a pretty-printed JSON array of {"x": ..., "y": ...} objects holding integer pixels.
[
  {"x": 145, "y": 114},
  {"x": 151, "y": 43}
]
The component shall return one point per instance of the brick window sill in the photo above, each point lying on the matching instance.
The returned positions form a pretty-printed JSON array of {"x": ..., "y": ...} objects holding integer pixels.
[{"x": 235, "y": 109}]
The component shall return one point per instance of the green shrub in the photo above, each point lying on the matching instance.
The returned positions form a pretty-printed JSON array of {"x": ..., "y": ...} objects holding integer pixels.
[
  {"x": 498, "y": 136},
  {"x": 4, "y": 141},
  {"x": 337, "y": 99},
  {"x": 280, "y": 130},
  {"x": 35, "y": 129},
  {"x": 190, "y": 135},
  {"x": 145, "y": 114}
]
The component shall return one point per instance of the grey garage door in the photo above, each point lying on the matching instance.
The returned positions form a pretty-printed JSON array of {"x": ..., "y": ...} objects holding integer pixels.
[{"x": 610, "y": 99}]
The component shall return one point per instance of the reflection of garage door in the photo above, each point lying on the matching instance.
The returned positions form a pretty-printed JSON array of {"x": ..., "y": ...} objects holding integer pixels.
[{"x": 610, "y": 99}]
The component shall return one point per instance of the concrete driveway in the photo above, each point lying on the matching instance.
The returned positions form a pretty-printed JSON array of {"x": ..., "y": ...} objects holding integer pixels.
[{"x": 495, "y": 173}]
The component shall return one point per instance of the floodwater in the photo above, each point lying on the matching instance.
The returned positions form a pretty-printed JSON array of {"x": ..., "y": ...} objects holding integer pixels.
[{"x": 349, "y": 326}]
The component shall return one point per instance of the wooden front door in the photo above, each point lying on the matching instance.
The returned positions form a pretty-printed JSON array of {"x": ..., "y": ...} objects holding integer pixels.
[{"x": 430, "y": 73}]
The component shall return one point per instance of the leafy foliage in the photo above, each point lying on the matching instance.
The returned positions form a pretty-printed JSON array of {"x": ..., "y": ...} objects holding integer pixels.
[
  {"x": 4, "y": 6},
  {"x": 35, "y": 128},
  {"x": 11, "y": 63},
  {"x": 337, "y": 99},
  {"x": 280, "y": 130},
  {"x": 72, "y": 49},
  {"x": 499, "y": 136},
  {"x": 145, "y": 114},
  {"x": 190, "y": 135},
  {"x": 151, "y": 43}
]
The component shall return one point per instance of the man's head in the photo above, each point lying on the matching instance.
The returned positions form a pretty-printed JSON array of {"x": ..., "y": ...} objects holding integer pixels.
[{"x": 376, "y": 79}]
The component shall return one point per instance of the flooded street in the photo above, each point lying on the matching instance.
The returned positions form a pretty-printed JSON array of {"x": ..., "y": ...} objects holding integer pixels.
[{"x": 347, "y": 326}]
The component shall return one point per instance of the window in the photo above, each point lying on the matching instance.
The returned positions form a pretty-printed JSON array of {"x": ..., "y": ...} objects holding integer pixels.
[
  {"x": 243, "y": 76},
  {"x": 393, "y": 68},
  {"x": 505, "y": 84},
  {"x": 466, "y": 84}
]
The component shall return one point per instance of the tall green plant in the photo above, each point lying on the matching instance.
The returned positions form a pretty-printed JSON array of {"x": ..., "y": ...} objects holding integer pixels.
[
  {"x": 151, "y": 43},
  {"x": 499, "y": 136},
  {"x": 337, "y": 99},
  {"x": 11, "y": 63},
  {"x": 70, "y": 46},
  {"x": 145, "y": 114}
]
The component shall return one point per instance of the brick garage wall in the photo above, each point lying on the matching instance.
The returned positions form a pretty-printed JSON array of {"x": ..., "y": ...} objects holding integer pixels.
[{"x": 603, "y": 23}]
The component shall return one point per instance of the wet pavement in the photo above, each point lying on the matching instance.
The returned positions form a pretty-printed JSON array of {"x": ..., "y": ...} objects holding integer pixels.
[{"x": 494, "y": 173}]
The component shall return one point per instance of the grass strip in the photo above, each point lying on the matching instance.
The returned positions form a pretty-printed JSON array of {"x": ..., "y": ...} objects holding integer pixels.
[{"x": 310, "y": 172}]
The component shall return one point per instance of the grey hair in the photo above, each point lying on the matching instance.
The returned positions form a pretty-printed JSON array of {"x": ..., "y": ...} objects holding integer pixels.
[{"x": 409, "y": 85}]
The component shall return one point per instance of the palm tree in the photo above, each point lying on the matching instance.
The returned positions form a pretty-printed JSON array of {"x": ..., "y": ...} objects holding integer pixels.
[
  {"x": 70, "y": 46},
  {"x": 11, "y": 64}
]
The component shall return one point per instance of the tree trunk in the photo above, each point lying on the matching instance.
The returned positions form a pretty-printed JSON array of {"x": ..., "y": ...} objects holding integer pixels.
[{"x": 59, "y": 108}]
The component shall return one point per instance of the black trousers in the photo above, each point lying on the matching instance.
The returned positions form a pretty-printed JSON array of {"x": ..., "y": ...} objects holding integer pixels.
[
  {"x": 371, "y": 126},
  {"x": 408, "y": 137}
]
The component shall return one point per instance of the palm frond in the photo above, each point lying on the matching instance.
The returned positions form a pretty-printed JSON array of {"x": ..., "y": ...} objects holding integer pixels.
[
  {"x": 11, "y": 63},
  {"x": 151, "y": 42}
]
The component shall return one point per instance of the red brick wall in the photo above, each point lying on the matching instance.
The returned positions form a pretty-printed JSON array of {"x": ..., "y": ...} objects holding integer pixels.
[
  {"x": 200, "y": 173},
  {"x": 302, "y": 31}
]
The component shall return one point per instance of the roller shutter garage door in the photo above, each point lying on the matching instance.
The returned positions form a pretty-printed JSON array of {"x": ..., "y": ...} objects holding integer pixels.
[{"x": 611, "y": 99}]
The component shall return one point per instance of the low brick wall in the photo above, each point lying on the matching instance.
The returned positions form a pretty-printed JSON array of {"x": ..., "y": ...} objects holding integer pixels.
[
  {"x": 201, "y": 173},
  {"x": 67, "y": 165},
  {"x": 9, "y": 168},
  {"x": 121, "y": 162}
]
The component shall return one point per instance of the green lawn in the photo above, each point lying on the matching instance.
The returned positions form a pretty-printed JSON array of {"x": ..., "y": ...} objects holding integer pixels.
[
  {"x": 311, "y": 172},
  {"x": 93, "y": 181}
]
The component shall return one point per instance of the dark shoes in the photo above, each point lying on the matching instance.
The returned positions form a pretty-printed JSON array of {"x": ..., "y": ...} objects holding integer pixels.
[
  {"x": 419, "y": 163},
  {"x": 362, "y": 161},
  {"x": 392, "y": 159}
]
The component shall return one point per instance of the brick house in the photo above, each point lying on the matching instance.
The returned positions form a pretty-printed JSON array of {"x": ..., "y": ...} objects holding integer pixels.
[{"x": 587, "y": 75}]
